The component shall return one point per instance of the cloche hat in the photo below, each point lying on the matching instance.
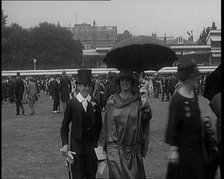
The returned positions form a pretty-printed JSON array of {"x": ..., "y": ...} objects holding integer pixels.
[{"x": 187, "y": 69}]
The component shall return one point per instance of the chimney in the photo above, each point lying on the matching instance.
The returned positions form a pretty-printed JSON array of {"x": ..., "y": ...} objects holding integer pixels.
[{"x": 94, "y": 23}]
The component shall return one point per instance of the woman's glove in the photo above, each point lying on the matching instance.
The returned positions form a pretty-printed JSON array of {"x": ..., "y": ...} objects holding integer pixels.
[{"x": 173, "y": 155}]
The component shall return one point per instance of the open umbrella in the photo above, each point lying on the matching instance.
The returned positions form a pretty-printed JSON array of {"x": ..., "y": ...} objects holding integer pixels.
[
  {"x": 213, "y": 83},
  {"x": 140, "y": 53}
]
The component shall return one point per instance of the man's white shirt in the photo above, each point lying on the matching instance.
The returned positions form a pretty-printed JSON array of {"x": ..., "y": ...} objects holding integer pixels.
[{"x": 83, "y": 100}]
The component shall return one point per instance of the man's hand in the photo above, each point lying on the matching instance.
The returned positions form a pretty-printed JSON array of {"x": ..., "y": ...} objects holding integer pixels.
[
  {"x": 70, "y": 157},
  {"x": 64, "y": 150}
]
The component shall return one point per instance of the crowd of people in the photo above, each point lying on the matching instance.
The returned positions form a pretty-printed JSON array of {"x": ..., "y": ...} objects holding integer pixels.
[
  {"x": 124, "y": 132},
  {"x": 61, "y": 88}
]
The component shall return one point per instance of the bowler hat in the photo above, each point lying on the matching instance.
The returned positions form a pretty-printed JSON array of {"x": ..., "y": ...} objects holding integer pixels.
[
  {"x": 187, "y": 69},
  {"x": 84, "y": 76}
]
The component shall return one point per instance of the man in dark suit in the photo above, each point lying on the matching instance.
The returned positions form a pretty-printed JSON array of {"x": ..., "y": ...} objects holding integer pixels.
[
  {"x": 18, "y": 92},
  {"x": 85, "y": 116},
  {"x": 56, "y": 95},
  {"x": 66, "y": 88}
]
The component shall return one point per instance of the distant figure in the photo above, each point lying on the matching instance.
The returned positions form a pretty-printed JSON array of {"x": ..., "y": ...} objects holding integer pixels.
[
  {"x": 32, "y": 94},
  {"x": 165, "y": 88},
  {"x": 11, "y": 90},
  {"x": 56, "y": 95},
  {"x": 25, "y": 95},
  {"x": 51, "y": 87},
  {"x": 18, "y": 92},
  {"x": 144, "y": 83},
  {"x": 74, "y": 89},
  {"x": 111, "y": 87},
  {"x": 65, "y": 87},
  {"x": 172, "y": 83},
  {"x": 151, "y": 88},
  {"x": 98, "y": 92},
  {"x": 156, "y": 84}
]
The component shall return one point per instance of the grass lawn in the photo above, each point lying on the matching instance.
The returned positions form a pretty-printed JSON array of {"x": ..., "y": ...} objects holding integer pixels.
[{"x": 30, "y": 144}]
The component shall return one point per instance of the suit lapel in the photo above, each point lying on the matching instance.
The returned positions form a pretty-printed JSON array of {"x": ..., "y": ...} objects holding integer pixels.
[{"x": 79, "y": 110}]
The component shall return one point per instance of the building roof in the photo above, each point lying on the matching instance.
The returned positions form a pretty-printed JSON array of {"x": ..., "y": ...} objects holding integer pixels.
[
  {"x": 175, "y": 42},
  {"x": 214, "y": 35}
]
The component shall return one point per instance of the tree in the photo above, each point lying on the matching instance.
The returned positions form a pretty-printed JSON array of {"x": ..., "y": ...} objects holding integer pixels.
[
  {"x": 3, "y": 19},
  {"x": 4, "y": 30},
  {"x": 12, "y": 50},
  {"x": 52, "y": 45},
  {"x": 126, "y": 34}
]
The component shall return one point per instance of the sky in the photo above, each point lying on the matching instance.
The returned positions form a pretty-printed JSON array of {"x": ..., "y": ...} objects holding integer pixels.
[{"x": 141, "y": 17}]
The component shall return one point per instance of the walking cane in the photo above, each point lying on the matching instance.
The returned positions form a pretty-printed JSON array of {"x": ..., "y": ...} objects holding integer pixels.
[{"x": 68, "y": 163}]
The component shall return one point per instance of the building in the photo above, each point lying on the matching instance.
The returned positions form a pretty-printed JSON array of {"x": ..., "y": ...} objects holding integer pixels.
[
  {"x": 214, "y": 41},
  {"x": 187, "y": 49},
  {"x": 96, "y": 40},
  {"x": 209, "y": 54},
  {"x": 93, "y": 37},
  {"x": 204, "y": 55}
]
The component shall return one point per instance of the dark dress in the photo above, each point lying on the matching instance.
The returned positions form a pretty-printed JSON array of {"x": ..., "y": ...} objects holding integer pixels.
[
  {"x": 185, "y": 130},
  {"x": 125, "y": 136}
]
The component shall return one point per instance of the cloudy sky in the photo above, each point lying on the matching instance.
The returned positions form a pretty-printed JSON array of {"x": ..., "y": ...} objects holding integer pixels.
[{"x": 140, "y": 17}]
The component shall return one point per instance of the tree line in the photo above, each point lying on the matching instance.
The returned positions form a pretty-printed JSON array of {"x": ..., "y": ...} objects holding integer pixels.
[{"x": 52, "y": 45}]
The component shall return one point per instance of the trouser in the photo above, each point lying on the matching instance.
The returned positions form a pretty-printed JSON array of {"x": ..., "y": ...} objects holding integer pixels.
[
  {"x": 85, "y": 166},
  {"x": 85, "y": 163},
  {"x": 18, "y": 105},
  {"x": 11, "y": 98},
  {"x": 56, "y": 103},
  {"x": 165, "y": 91}
]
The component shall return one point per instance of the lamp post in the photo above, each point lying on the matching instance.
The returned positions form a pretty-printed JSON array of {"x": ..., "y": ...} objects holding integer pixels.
[{"x": 34, "y": 64}]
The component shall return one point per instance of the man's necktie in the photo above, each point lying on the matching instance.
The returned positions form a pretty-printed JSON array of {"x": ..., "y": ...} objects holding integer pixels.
[{"x": 84, "y": 104}]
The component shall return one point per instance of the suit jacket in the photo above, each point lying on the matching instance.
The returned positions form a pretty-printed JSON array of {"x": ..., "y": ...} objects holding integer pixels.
[
  {"x": 73, "y": 114},
  {"x": 19, "y": 88}
]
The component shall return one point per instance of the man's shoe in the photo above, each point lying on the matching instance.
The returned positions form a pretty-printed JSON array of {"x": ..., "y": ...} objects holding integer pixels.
[
  {"x": 23, "y": 112},
  {"x": 54, "y": 112}
]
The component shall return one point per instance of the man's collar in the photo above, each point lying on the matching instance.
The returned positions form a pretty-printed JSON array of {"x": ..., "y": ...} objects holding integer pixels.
[{"x": 80, "y": 98}]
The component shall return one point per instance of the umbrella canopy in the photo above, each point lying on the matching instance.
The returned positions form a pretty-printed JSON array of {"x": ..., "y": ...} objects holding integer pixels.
[
  {"x": 140, "y": 53},
  {"x": 213, "y": 83}
]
